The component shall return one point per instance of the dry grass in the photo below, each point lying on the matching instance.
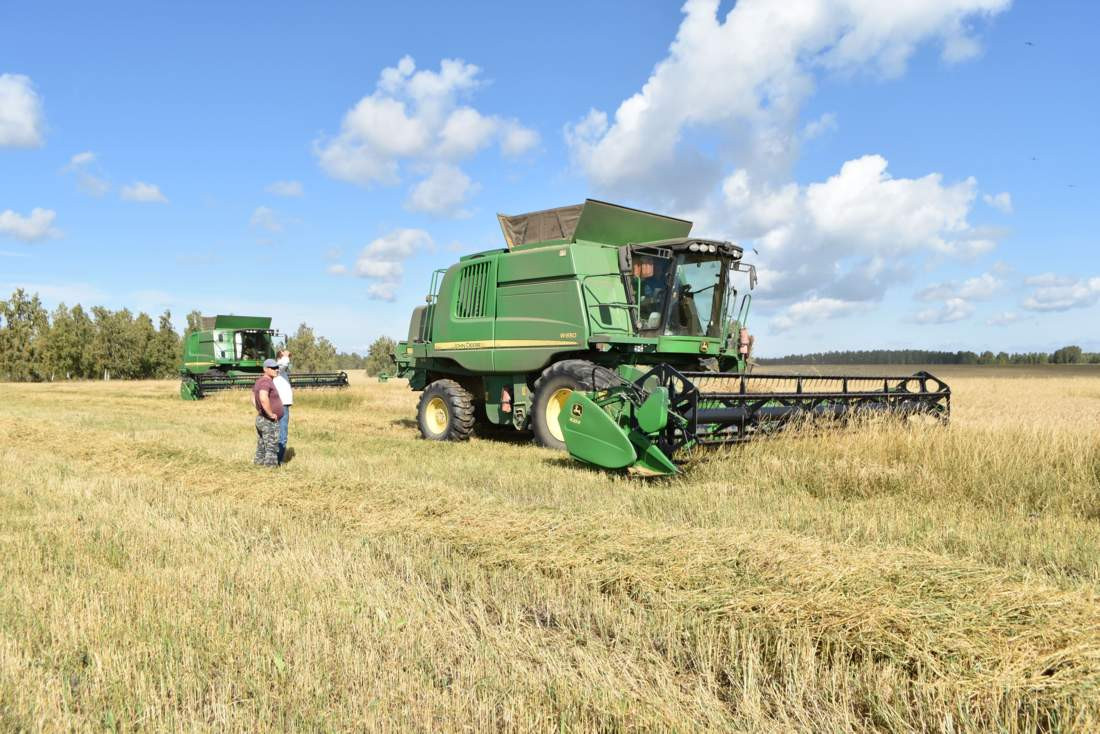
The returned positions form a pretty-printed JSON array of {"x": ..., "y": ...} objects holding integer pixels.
[{"x": 882, "y": 578}]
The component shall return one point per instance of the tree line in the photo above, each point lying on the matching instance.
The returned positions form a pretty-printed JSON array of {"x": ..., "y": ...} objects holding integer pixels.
[
  {"x": 1066, "y": 355},
  {"x": 98, "y": 343}
]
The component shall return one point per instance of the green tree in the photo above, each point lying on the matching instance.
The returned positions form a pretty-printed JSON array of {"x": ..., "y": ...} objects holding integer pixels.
[
  {"x": 24, "y": 328},
  {"x": 117, "y": 347},
  {"x": 66, "y": 343},
  {"x": 194, "y": 323},
  {"x": 379, "y": 357},
  {"x": 302, "y": 345},
  {"x": 309, "y": 352},
  {"x": 144, "y": 336},
  {"x": 163, "y": 350},
  {"x": 1067, "y": 355}
]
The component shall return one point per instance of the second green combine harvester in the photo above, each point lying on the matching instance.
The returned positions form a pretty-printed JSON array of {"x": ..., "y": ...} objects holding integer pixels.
[
  {"x": 613, "y": 333},
  {"x": 229, "y": 351}
]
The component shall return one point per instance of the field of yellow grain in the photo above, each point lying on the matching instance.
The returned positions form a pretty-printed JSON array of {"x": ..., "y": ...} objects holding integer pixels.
[{"x": 883, "y": 577}]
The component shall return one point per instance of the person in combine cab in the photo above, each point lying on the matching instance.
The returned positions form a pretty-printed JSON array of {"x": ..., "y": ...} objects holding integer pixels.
[
  {"x": 286, "y": 396},
  {"x": 269, "y": 409}
]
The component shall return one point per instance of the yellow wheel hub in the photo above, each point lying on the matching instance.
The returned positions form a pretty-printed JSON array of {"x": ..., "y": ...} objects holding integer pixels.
[
  {"x": 554, "y": 407},
  {"x": 435, "y": 416}
]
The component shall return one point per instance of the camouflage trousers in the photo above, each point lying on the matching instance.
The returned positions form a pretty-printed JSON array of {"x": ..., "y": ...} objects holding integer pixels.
[{"x": 267, "y": 442}]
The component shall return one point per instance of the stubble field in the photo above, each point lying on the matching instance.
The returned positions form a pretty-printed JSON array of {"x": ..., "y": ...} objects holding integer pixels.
[{"x": 883, "y": 577}]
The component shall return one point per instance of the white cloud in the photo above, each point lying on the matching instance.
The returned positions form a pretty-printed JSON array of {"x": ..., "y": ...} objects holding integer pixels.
[
  {"x": 89, "y": 182},
  {"x": 383, "y": 291},
  {"x": 32, "y": 228},
  {"x": 143, "y": 192},
  {"x": 849, "y": 237},
  {"x": 416, "y": 119},
  {"x": 516, "y": 139},
  {"x": 21, "y": 124},
  {"x": 822, "y": 125},
  {"x": 1003, "y": 319},
  {"x": 285, "y": 188},
  {"x": 745, "y": 79},
  {"x": 81, "y": 159},
  {"x": 978, "y": 288},
  {"x": 382, "y": 261},
  {"x": 1049, "y": 279},
  {"x": 69, "y": 293},
  {"x": 442, "y": 193},
  {"x": 93, "y": 185},
  {"x": 714, "y": 132},
  {"x": 266, "y": 218},
  {"x": 814, "y": 309},
  {"x": 1060, "y": 293},
  {"x": 337, "y": 269},
  {"x": 1001, "y": 201},
  {"x": 954, "y": 309}
]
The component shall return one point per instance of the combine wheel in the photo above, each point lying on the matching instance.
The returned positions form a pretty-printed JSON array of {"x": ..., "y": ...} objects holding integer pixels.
[
  {"x": 553, "y": 388},
  {"x": 446, "y": 412}
]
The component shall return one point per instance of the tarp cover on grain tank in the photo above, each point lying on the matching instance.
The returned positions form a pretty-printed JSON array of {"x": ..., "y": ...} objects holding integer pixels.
[
  {"x": 595, "y": 221},
  {"x": 229, "y": 321}
]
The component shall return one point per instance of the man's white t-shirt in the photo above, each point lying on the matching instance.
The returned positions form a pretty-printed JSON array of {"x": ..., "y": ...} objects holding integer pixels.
[{"x": 282, "y": 386}]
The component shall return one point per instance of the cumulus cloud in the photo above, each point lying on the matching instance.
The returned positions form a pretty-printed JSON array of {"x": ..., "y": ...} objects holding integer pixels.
[
  {"x": 143, "y": 192},
  {"x": 1004, "y": 318},
  {"x": 766, "y": 56},
  {"x": 418, "y": 120},
  {"x": 814, "y": 309},
  {"x": 382, "y": 261},
  {"x": 1046, "y": 280},
  {"x": 38, "y": 225},
  {"x": 285, "y": 188},
  {"x": 1001, "y": 201},
  {"x": 953, "y": 309},
  {"x": 1061, "y": 293},
  {"x": 21, "y": 124},
  {"x": 722, "y": 154},
  {"x": 442, "y": 193},
  {"x": 850, "y": 237},
  {"x": 88, "y": 177},
  {"x": 821, "y": 126},
  {"x": 978, "y": 288},
  {"x": 266, "y": 218}
]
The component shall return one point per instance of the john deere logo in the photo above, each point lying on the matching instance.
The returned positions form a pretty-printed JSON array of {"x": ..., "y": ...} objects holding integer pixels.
[
  {"x": 577, "y": 410},
  {"x": 704, "y": 346}
]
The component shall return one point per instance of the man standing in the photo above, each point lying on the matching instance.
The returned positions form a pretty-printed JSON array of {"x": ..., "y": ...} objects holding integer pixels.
[
  {"x": 286, "y": 396},
  {"x": 269, "y": 409}
]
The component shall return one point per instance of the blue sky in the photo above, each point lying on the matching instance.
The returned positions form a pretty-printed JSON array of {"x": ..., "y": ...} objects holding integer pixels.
[{"x": 910, "y": 177}]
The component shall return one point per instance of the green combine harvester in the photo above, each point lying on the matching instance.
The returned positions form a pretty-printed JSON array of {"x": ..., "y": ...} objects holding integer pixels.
[
  {"x": 229, "y": 352},
  {"x": 614, "y": 334}
]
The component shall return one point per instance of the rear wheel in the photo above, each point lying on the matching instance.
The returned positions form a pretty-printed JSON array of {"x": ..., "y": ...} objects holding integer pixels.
[
  {"x": 553, "y": 388},
  {"x": 445, "y": 412}
]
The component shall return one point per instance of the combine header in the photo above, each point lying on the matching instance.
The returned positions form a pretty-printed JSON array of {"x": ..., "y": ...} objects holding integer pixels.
[
  {"x": 229, "y": 352},
  {"x": 612, "y": 333}
]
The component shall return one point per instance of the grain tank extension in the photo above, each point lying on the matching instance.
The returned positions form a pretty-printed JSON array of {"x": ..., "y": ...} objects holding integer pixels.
[{"x": 613, "y": 333}]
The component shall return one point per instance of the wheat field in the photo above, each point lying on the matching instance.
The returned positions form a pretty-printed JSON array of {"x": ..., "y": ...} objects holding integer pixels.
[{"x": 880, "y": 578}]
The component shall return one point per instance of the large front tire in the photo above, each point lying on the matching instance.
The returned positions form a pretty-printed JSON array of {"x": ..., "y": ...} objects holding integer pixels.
[
  {"x": 553, "y": 388},
  {"x": 445, "y": 412}
]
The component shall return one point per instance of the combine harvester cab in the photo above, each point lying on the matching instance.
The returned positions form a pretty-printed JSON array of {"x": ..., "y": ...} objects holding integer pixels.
[
  {"x": 613, "y": 333},
  {"x": 229, "y": 352}
]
